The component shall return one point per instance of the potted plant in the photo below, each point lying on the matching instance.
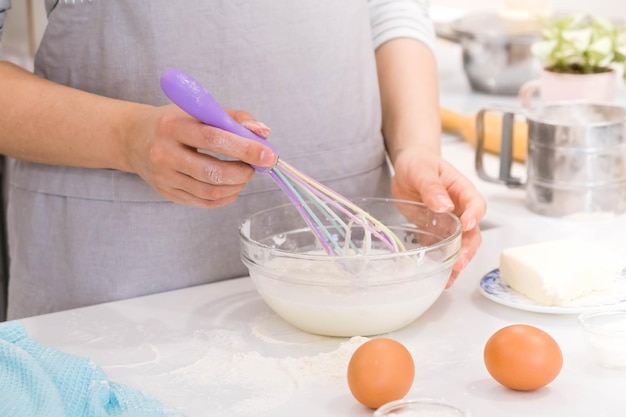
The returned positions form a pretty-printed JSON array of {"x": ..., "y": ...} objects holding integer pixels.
[
  {"x": 581, "y": 56},
  {"x": 580, "y": 44}
]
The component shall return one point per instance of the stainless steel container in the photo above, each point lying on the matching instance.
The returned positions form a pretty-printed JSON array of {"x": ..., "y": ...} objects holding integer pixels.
[
  {"x": 497, "y": 56},
  {"x": 576, "y": 158}
]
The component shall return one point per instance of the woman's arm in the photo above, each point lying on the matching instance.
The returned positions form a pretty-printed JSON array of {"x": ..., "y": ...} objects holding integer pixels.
[
  {"x": 409, "y": 91},
  {"x": 407, "y": 74},
  {"x": 411, "y": 127},
  {"x": 45, "y": 122}
]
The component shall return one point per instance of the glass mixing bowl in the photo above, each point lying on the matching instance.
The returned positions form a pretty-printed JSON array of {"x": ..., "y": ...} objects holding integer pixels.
[{"x": 363, "y": 294}]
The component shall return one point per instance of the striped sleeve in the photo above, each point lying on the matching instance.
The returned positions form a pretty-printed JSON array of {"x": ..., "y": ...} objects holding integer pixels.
[
  {"x": 401, "y": 19},
  {"x": 5, "y": 5}
]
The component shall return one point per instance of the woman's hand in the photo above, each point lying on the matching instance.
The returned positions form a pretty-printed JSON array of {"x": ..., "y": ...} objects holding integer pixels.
[
  {"x": 70, "y": 127},
  {"x": 189, "y": 162},
  {"x": 423, "y": 175}
]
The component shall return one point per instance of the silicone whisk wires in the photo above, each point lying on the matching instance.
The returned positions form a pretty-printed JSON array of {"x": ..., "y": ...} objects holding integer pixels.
[{"x": 332, "y": 218}]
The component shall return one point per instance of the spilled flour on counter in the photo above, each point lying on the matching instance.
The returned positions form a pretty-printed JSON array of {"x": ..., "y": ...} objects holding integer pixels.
[
  {"x": 330, "y": 366},
  {"x": 238, "y": 359},
  {"x": 239, "y": 383},
  {"x": 245, "y": 367}
]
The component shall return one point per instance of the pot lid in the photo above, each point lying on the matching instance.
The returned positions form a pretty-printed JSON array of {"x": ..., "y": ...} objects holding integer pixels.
[{"x": 497, "y": 25}]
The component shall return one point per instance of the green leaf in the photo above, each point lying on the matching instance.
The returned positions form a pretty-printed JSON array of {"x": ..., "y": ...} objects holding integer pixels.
[{"x": 581, "y": 43}]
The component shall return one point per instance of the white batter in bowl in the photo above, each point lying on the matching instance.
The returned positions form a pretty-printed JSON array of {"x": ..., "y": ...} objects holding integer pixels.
[{"x": 358, "y": 295}]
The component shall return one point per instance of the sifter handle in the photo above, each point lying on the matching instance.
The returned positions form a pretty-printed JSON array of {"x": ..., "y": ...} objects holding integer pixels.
[{"x": 188, "y": 94}]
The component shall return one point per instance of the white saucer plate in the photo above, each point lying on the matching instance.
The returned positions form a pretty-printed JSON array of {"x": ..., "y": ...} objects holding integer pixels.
[{"x": 493, "y": 287}]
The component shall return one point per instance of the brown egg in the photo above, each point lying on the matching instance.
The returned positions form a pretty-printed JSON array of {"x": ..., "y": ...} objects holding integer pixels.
[
  {"x": 380, "y": 370},
  {"x": 522, "y": 357}
]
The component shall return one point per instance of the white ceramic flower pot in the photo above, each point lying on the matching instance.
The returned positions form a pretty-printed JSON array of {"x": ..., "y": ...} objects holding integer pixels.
[{"x": 553, "y": 86}]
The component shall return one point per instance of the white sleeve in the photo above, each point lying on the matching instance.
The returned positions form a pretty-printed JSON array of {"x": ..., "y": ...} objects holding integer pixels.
[
  {"x": 401, "y": 19},
  {"x": 5, "y": 5}
]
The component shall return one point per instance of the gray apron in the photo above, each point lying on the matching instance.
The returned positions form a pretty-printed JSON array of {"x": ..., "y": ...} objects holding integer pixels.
[{"x": 85, "y": 236}]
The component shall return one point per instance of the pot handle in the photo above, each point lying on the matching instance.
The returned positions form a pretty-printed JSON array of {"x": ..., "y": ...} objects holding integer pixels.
[
  {"x": 445, "y": 31},
  {"x": 528, "y": 91},
  {"x": 506, "y": 149}
]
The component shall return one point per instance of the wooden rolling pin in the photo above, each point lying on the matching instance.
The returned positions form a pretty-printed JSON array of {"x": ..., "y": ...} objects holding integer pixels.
[{"x": 465, "y": 126}]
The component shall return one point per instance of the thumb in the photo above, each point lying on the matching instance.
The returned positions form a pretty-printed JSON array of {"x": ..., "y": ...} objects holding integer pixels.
[{"x": 432, "y": 191}]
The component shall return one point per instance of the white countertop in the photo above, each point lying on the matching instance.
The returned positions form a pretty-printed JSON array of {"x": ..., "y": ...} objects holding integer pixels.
[
  {"x": 218, "y": 350},
  {"x": 218, "y": 347}
]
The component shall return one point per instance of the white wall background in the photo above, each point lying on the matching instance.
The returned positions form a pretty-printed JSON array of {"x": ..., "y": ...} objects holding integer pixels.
[
  {"x": 23, "y": 28},
  {"x": 26, "y": 22}
]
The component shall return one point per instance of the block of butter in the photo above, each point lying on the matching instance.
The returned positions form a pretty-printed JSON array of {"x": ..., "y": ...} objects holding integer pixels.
[{"x": 560, "y": 271}]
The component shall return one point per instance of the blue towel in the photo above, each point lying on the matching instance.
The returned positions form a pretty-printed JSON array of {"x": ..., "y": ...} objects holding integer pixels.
[{"x": 36, "y": 380}]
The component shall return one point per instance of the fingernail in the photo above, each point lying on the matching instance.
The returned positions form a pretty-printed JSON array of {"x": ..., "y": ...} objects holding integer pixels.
[
  {"x": 471, "y": 223},
  {"x": 446, "y": 203},
  {"x": 268, "y": 158},
  {"x": 257, "y": 127}
]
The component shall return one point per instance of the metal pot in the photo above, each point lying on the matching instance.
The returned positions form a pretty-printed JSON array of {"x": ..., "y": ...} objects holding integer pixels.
[{"x": 497, "y": 56}]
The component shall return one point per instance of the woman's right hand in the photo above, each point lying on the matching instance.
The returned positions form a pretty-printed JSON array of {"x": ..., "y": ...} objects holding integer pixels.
[
  {"x": 163, "y": 149},
  {"x": 53, "y": 124}
]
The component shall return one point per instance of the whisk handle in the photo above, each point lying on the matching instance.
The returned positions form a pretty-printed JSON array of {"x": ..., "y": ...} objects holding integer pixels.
[{"x": 188, "y": 94}]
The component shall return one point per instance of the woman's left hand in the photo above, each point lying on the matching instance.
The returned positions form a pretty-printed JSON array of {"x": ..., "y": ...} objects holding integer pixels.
[{"x": 423, "y": 175}]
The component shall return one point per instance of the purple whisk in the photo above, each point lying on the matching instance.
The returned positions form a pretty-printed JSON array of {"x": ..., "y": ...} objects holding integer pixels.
[{"x": 318, "y": 205}]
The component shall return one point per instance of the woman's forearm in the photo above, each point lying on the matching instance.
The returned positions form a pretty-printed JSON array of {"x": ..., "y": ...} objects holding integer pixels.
[
  {"x": 45, "y": 122},
  {"x": 409, "y": 89}
]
